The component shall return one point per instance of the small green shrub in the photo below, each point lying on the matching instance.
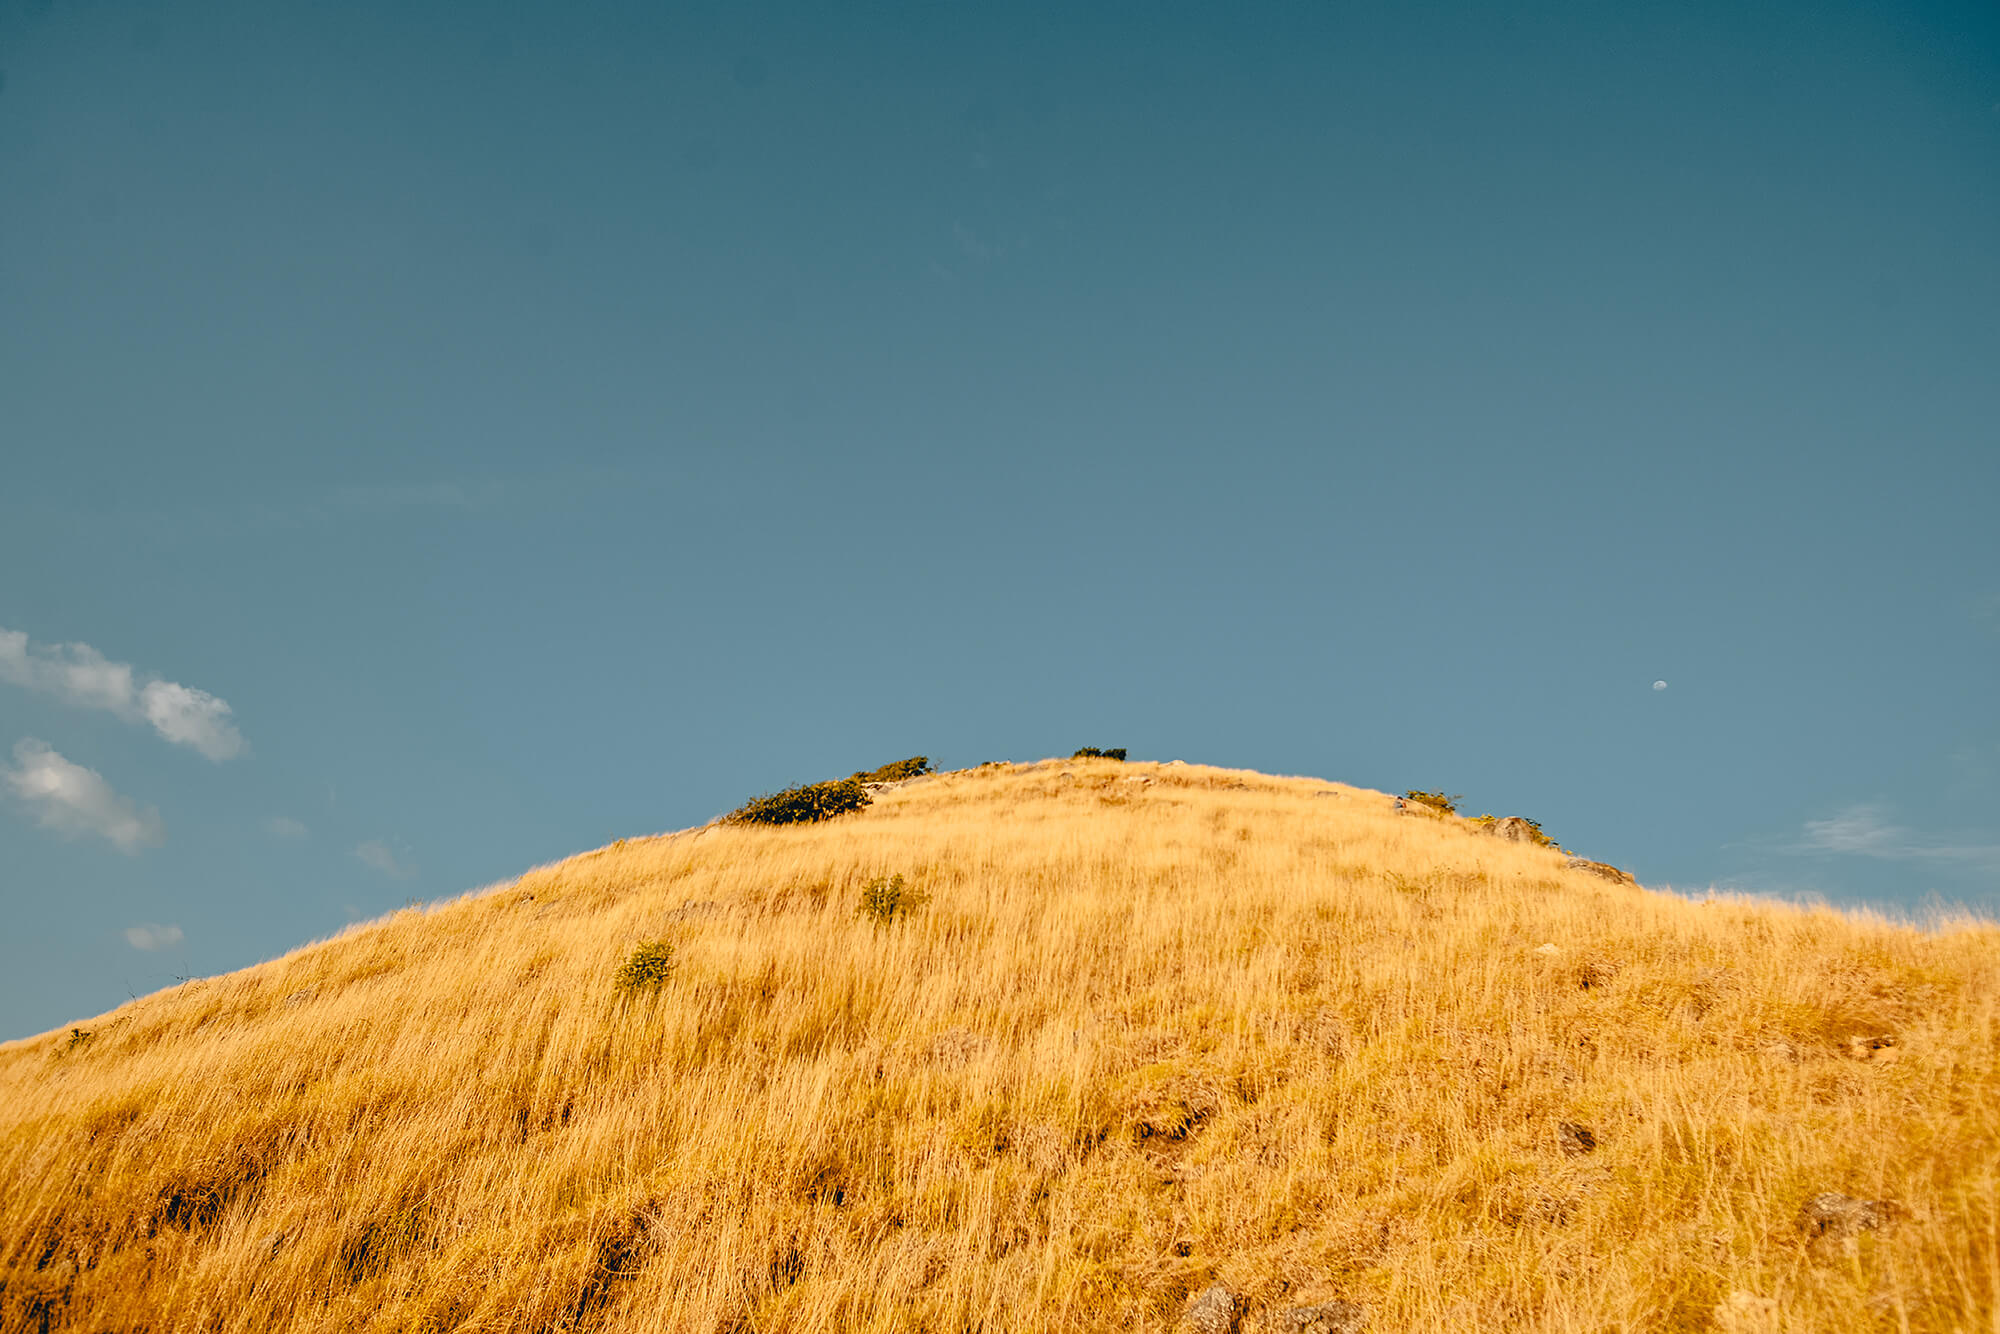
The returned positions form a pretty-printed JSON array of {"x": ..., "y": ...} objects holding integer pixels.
[
  {"x": 803, "y": 804},
  {"x": 914, "y": 767},
  {"x": 1447, "y": 804},
  {"x": 649, "y": 965},
  {"x": 888, "y": 897},
  {"x": 1093, "y": 753}
]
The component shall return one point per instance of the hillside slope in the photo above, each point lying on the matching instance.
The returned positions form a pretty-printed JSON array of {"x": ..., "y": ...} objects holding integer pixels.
[{"x": 1158, "y": 1028}]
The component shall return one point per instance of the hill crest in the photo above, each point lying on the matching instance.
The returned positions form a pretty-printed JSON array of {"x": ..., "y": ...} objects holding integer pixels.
[{"x": 1158, "y": 1030}]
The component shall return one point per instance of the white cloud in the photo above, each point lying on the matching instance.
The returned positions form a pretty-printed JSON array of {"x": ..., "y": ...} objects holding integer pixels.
[
  {"x": 71, "y": 799},
  {"x": 79, "y": 675},
  {"x": 152, "y": 936},
  {"x": 190, "y": 717},
  {"x": 284, "y": 826},
  {"x": 376, "y": 856},
  {"x": 1866, "y": 831},
  {"x": 1659, "y": 685}
]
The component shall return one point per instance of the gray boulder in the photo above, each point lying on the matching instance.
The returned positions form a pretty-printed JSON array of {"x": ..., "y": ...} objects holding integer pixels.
[
  {"x": 1603, "y": 869},
  {"x": 1214, "y": 1310},
  {"x": 1332, "y": 1318},
  {"x": 1835, "y": 1217}
]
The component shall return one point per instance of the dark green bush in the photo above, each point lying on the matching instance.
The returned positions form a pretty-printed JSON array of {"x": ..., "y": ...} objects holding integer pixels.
[
  {"x": 914, "y": 767},
  {"x": 803, "y": 804},
  {"x": 1447, "y": 804},
  {"x": 1093, "y": 753},
  {"x": 649, "y": 965},
  {"x": 888, "y": 897}
]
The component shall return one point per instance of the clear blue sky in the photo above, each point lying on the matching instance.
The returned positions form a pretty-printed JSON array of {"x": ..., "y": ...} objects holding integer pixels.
[{"x": 539, "y": 424}]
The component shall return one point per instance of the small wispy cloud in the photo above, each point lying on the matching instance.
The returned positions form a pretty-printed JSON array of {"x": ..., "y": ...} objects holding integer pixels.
[
  {"x": 1866, "y": 830},
  {"x": 284, "y": 826},
  {"x": 972, "y": 245},
  {"x": 377, "y": 856},
  {"x": 79, "y": 675},
  {"x": 71, "y": 799},
  {"x": 152, "y": 936}
]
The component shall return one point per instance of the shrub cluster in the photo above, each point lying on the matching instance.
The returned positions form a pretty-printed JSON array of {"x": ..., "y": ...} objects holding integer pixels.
[
  {"x": 915, "y": 766},
  {"x": 1093, "y": 753},
  {"x": 803, "y": 804},
  {"x": 1447, "y": 804},
  {"x": 888, "y": 897},
  {"x": 649, "y": 965}
]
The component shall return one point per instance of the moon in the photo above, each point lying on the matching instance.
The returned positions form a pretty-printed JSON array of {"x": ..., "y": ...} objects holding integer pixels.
[{"x": 1659, "y": 685}]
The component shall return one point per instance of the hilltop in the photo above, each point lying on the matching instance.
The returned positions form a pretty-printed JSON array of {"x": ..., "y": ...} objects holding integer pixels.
[{"x": 1142, "y": 1047}]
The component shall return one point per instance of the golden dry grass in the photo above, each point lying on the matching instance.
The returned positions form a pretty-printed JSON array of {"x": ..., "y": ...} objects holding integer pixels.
[{"x": 1143, "y": 1037}]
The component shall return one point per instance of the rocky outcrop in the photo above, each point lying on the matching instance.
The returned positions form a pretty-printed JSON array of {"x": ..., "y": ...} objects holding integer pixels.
[
  {"x": 1603, "y": 869},
  {"x": 1214, "y": 1310},
  {"x": 1833, "y": 1219},
  {"x": 1576, "y": 1140},
  {"x": 1330, "y": 1318}
]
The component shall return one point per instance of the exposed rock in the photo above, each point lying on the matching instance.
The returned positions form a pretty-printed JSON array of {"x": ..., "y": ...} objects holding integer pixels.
[
  {"x": 1548, "y": 949},
  {"x": 1576, "y": 1140},
  {"x": 1604, "y": 869},
  {"x": 1833, "y": 1217},
  {"x": 1411, "y": 806},
  {"x": 1880, "y": 1050},
  {"x": 880, "y": 785},
  {"x": 1331, "y": 1318},
  {"x": 1514, "y": 829},
  {"x": 1214, "y": 1310}
]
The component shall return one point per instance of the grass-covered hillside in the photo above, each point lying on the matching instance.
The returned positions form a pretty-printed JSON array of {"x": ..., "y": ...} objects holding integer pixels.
[{"x": 1129, "y": 1047}]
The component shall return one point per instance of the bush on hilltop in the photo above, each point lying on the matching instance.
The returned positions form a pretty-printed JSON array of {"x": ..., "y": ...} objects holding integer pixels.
[
  {"x": 1447, "y": 804},
  {"x": 914, "y": 767},
  {"x": 804, "y": 804}
]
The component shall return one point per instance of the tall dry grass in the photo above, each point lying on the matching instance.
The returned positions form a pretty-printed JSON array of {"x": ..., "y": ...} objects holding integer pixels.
[{"x": 1143, "y": 1038}]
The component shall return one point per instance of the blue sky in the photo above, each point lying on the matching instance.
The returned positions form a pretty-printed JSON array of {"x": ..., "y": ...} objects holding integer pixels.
[{"x": 480, "y": 434}]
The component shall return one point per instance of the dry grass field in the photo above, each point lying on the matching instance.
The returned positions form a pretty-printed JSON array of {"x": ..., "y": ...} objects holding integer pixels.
[{"x": 1157, "y": 1029}]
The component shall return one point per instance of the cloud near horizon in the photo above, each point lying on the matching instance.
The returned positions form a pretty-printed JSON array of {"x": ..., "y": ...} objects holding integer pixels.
[
  {"x": 80, "y": 676},
  {"x": 377, "y": 856},
  {"x": 1865, "y": 830},
  {"x": 71, "y": 799},
  {"x": 152, "y": 936}
]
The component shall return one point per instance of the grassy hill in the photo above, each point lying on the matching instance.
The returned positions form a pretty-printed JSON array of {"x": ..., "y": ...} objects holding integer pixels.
[{"x": 1157, "y": 1030}]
